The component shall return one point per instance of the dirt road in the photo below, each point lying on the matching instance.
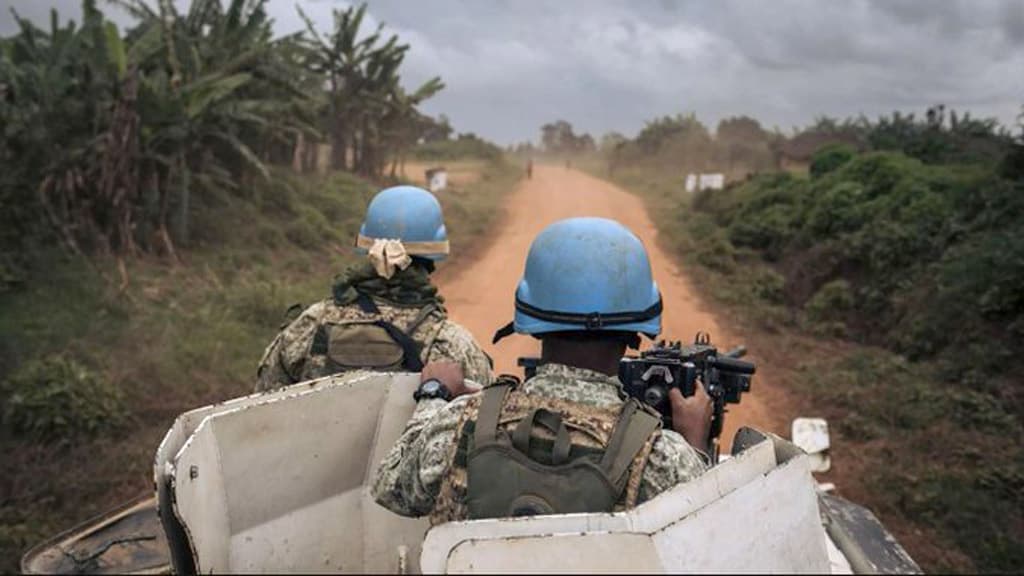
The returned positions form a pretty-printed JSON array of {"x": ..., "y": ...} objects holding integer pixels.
[{"x": 480, "y": 295}]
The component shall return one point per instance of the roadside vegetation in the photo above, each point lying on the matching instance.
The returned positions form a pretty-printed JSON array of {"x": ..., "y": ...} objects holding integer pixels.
[
  {"x": 101, "y": 372},
  {"x": 98, "y": 372},
  {"x": 169, "y": 191},
  {"x": 440, "y": 143},
  {"x": 882, "y": 273}
]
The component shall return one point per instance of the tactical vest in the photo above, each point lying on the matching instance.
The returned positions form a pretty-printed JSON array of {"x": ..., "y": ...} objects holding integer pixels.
[
  {"x": 524, "y": 475},
  {"x": 372, "y": 343}
]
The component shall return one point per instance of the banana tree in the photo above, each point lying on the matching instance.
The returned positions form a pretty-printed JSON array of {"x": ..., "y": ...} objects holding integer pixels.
[
  {"x": 360, "y": 73},
  {"x": 120, "y": 129},
  {"x": 218, "y": 88},
  {"x": 59, "y": 85},
  {"x": 404, "y": 124}
]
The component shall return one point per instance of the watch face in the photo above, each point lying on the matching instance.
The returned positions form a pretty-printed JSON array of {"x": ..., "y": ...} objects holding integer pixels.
[{"x": 431, "y": 387}]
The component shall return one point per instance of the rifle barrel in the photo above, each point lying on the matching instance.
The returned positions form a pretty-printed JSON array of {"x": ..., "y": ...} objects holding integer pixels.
[
  {"x": 737, "y": 352},
  {"x": 733, "y": 365}
]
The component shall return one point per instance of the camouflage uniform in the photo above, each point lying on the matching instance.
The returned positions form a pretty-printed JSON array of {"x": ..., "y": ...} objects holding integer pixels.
[
  {"x": 424, "y": 474},
  {"x": 406, "y": 300},
  {"x": 288, "y": 360}
]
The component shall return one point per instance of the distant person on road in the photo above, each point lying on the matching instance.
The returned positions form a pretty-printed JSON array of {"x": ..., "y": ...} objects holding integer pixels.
[
  {"x": 565, "y": 440},
  {"x": 529, "y": 168},
  {"x": 384, "y": 313}
]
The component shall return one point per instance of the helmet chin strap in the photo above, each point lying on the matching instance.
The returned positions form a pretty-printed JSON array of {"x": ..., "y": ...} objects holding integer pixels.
[{"x": 504, "y": 332}]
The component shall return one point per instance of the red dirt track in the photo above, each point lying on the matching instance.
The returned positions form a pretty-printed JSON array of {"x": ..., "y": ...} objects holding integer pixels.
[{"x": 480, "y": 294}]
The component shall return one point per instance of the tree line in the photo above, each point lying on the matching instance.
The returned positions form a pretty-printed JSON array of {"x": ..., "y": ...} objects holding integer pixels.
[
  {"x": 740, "y": 146},
  {"x": 110, "y": 138}
]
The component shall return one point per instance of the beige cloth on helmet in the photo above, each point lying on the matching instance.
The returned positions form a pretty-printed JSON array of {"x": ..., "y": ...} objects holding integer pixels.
[{"x": 388, "y": 256}]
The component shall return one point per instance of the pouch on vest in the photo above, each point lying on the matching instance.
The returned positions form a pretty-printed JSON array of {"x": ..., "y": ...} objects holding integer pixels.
[
  {"x": 373, "y": 344},
  {"x": 363, "y": 345},
  {"x": 520, "y": 474}
]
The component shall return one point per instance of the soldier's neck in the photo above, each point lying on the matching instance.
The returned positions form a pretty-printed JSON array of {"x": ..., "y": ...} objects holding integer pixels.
[{"x": 598, "y": 356}]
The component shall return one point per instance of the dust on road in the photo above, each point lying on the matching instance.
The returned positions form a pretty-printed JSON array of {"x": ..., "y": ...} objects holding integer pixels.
[{"x": 479, "y": 295}]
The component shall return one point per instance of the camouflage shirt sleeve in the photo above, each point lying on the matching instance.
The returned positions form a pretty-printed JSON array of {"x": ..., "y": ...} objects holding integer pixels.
[
  {"x": 408, "y": 480},
  {"x": 282, "y": 360},
  {"x": 672, "y": 461},
  {"x": 455, "y": 343},
  {"x": 270, "y": 374}
]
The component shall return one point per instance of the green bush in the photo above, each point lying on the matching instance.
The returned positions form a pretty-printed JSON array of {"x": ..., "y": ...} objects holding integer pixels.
[
  {"x": 829, "y": 158},
  {"x": 933, "y": 254},
  {"x": 1012, "y": 166},
  {"x": 310, "y": 230},
  {"x": 960, "y": 470},
  {"x": 837, "y": 209},
  {"x": 974, "y": 509},
  {"x": 831, "y": 302},
  {"x": 769, "y": 285},
  {"x": 768, "y": 231},
  {"x": 878, "y": 172},
  {"x": 714, "y": 250},
  {"x": 58, "y": 399},
  {"x": 917, "y": 249}
]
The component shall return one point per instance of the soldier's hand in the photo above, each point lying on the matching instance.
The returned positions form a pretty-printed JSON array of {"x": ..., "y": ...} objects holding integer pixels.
[
  {"x": 450, "y": 374},
  {"x": 691, "y": 416}
]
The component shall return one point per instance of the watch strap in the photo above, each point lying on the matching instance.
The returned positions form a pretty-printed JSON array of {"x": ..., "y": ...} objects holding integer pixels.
[{"x": 442, "y": 391}]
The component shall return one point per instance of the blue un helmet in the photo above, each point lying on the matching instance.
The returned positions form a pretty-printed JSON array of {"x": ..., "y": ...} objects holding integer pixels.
[
  {"x": 409, "y": 214},
  {"x": 586, "y": 274}
]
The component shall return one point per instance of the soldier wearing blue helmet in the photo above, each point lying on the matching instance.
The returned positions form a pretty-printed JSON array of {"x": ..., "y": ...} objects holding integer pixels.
[
  {"x": 384, "y": 313},
  {"x": 566, "y": 440}
]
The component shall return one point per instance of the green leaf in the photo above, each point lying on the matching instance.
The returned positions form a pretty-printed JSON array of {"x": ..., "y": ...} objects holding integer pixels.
[
  {"x": 147, "y": 45},
  {"x": 115, "y": 49},
  {"x": 245, "y": 153},
  {"x": 210, "y": 90}
]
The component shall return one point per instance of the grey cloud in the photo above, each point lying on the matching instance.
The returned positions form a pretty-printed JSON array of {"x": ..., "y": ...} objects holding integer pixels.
[
  {"x": 511, "y": 65},
  {"x": 1013, "y": 23},
  {"x": 911, "y": 12}
]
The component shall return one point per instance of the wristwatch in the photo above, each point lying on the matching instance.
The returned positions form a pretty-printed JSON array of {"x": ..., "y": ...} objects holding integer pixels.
[{"x": 430, "y": 389}]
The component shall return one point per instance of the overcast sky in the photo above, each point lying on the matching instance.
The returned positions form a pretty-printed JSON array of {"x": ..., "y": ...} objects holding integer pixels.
[{"x": 511, "y": 65}]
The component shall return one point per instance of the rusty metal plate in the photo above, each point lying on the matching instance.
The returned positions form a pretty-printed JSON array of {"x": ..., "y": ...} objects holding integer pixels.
[{"x": 126, "y": 540}]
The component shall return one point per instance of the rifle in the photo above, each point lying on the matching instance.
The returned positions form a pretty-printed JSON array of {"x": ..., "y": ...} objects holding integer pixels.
[
  {"x": 650, "y": 376},
  {"x": 725, "y": 377}
]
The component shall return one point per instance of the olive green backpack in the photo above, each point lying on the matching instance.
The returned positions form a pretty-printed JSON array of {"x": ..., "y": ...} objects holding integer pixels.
[{"x": 523, "y": 475}]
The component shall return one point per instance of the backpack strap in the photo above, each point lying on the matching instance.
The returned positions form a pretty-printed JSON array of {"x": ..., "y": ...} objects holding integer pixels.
[
  {"x": 425, "y": 313},
  {"x": 410, "y": 348},
  {"x": 632, "y": 431},
  {"x": 486, "y": 429},
  {"x": 366, "y": 303}
]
